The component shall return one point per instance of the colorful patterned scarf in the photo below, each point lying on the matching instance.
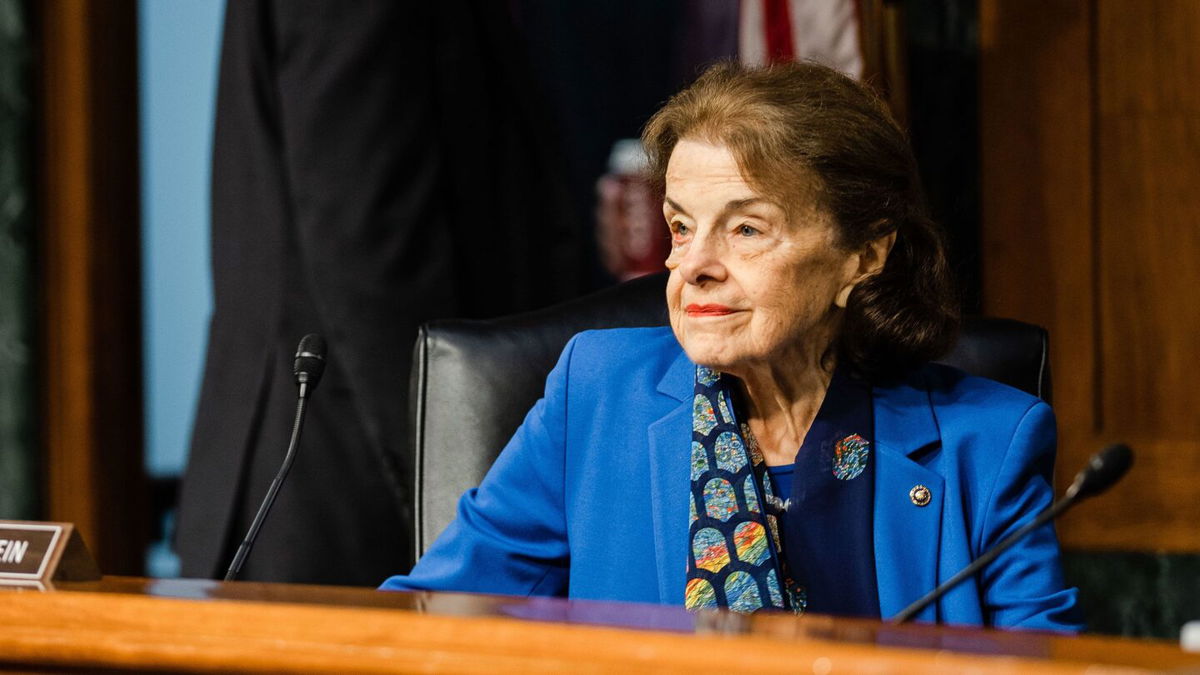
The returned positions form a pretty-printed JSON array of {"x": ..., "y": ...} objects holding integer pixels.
[{"x": 729, "y": 487}]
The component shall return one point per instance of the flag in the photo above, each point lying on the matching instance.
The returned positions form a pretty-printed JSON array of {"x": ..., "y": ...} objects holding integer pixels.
[{"x": 825, "y": 31}]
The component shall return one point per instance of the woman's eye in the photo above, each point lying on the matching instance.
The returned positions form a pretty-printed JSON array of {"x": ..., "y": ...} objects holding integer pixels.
[
  {"x": 680, "y": 230},
  {"x": 746, "y": 231}
]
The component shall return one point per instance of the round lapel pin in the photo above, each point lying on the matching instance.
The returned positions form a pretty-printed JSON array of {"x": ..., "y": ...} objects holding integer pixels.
[{"x": 920, "y": 495}]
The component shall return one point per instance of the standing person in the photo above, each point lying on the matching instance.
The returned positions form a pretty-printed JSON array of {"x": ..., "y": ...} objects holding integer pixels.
[{"x": 375, "y": 165}]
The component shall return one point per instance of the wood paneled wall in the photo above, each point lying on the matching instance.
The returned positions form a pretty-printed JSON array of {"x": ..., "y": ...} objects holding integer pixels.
[
  {"x": 1090, "y": 142},
  {"x": 88, "y": 277}
]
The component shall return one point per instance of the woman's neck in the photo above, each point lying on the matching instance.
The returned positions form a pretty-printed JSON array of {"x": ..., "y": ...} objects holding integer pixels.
[{"x": 783, "y": 400}]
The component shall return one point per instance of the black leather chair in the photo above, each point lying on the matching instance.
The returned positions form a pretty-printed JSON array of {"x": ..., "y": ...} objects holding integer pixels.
[{"x": 473, "y": 381}]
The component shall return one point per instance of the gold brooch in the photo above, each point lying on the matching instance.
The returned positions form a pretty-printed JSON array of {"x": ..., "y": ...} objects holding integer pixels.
[{"x": 920, "y": 495}]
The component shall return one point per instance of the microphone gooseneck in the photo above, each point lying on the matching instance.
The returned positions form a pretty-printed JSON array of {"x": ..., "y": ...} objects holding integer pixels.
[
  {"x": 1103, "y": 470},
  {"x": 307, "y": 368}
]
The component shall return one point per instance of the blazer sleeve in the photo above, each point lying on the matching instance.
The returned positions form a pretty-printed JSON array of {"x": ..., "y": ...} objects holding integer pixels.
[
  {"x": 1024, "y": 587},
  {"x": 510, "y": 535}
]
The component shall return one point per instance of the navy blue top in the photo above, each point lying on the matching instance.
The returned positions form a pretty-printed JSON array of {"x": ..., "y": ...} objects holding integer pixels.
[
  {"x": 781, "y": 483},
  {"x": 781, "y": 486},
  {"x": 828, "y": 531}
]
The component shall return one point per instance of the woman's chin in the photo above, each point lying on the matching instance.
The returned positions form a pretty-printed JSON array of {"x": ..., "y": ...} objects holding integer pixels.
[
  {"x": 712, "y": 358},
  {"x": 718, "y": 350}
]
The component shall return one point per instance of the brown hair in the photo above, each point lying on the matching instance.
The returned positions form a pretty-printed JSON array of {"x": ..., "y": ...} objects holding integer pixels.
[{"x": 788, "y": 124}]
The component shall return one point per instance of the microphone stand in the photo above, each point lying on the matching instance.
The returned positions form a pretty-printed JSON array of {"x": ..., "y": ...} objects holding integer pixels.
[
  {"x": 1102, "y": 470},
  {"x": 982, "y": 561},
  {"x": 308, "y": 367},
  {"x": 244, "y": 549}
]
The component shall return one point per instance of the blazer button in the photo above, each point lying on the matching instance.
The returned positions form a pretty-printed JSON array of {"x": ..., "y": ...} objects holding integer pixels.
[{"x": 920, "y": 495}]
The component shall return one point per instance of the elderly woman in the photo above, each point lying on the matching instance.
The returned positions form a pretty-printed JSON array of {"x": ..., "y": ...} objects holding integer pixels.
[{"x": 785, "y": 444}]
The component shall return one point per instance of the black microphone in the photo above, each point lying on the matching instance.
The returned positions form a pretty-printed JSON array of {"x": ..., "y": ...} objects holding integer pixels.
[
  {"x": 1103, "y": 470},
  {"x": 307, "y": 369}
]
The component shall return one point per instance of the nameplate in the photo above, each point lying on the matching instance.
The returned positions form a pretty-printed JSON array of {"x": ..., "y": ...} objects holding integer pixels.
[{"x": 35, "y": 554}]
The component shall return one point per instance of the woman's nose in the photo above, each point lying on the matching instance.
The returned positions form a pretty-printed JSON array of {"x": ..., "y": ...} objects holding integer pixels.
[{"x": 700, "y": 260}]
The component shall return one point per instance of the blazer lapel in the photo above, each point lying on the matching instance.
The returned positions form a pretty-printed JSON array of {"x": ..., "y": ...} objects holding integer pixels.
[
  {"x": 907, "y": 532},
  {"x": 670, "y": 447}
]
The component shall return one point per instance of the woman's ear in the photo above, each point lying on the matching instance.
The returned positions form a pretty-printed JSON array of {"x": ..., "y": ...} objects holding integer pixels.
[{"x": 871, "y": 260}]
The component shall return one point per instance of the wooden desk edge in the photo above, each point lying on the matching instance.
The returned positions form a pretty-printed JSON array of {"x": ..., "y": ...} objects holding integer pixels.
[{"x": 81, "y": 629}]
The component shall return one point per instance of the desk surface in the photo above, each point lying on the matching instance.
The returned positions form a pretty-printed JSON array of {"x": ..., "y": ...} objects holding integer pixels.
[{"x": 193, "y": 625}]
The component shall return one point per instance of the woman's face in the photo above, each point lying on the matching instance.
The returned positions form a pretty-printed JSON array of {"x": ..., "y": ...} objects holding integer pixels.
[{"x": 749, "y": 286}]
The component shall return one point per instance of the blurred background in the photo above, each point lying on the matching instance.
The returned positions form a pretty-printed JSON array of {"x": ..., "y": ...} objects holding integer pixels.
[{"x": 1059, "y": 141}]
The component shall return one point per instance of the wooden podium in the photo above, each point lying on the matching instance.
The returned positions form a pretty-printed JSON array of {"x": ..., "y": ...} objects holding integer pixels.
[{"x": 203, "y": 626}]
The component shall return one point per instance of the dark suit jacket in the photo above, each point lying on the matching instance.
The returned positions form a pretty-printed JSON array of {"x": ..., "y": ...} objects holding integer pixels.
[{"x": 376, "y": 164}]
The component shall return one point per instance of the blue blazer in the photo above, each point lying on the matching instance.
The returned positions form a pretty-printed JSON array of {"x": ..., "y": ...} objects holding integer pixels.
[{"x": 590, "y": 497}]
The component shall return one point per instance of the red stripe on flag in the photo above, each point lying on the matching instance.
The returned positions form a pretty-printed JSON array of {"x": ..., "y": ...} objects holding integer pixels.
[{"x": 778, "y": 25}]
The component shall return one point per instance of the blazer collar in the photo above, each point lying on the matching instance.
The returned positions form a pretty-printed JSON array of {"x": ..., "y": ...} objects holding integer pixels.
[
  {"x": 678, "y": 382},
  {"x": 904, "y": 420},
  {"x": 670, "y": 451}
]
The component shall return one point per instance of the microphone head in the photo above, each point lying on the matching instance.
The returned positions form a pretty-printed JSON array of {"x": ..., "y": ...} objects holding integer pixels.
[
  {"x": 310, "y": 360},
  {"x": 1103, "y": 470}
]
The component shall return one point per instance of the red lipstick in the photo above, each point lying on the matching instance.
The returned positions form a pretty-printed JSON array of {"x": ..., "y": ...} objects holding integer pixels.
[{"x": 708, "y": 310}]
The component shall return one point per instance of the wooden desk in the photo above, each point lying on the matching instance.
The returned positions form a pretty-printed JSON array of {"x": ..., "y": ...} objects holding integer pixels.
[{"x": 191, "y": 625}]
